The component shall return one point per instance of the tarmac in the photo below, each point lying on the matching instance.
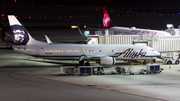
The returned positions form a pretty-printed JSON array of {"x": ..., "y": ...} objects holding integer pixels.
[{"x": 18, "y": 69}]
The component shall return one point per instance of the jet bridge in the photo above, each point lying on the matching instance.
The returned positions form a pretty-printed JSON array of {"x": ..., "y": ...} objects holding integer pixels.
[
  {"x": 164, "y": 44},
  {"x": 159, "y": 43}
]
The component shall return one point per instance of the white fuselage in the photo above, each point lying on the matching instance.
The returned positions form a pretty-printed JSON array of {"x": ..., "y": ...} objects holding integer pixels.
[
  {"x": 76, "y": 51},
  {"x": 137, "y": 31}
]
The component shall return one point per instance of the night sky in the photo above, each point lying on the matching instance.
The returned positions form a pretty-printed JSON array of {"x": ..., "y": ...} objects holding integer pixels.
[{"x": 100, "y": 2}]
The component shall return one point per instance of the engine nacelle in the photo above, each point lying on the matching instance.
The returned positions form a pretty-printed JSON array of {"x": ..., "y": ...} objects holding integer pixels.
[{"x": 107, "y": 61}]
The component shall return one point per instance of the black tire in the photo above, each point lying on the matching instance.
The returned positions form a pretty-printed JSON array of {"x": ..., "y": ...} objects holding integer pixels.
[
  {"x": 154, "y": 60},
  {"x": 144, "y": 63},
  {"x": 177, "y": 62},
  {"x": 87, "y": 64},
  {"x": 81, "y": 63},
  {"x": 169, "y": 62}
]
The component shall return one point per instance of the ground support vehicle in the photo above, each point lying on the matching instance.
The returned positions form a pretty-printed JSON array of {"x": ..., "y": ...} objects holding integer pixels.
[
  {"x": 67, "y": 70},
  {"x": 153, "y": 68},
  {"x": 83, "y": 70}
]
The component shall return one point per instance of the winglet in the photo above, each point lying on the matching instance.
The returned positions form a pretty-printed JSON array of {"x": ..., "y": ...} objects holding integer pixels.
[{"x": 48, "y": 40}]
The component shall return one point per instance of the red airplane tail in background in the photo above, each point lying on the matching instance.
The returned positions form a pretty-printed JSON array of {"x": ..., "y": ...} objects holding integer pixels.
[{"x": 106, "y": 19}]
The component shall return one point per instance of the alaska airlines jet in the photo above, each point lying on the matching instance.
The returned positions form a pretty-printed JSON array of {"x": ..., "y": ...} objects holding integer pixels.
[
  {"x": 128, "y": 31},
  {"x": 103, "y": 54}
]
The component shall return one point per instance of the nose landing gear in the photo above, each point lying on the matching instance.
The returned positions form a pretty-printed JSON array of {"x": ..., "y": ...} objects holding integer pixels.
[{"x": 145, "y": 62}]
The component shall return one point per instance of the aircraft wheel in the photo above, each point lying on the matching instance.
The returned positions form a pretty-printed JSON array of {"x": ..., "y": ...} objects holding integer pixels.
[
  {"x": 154, "y": 60},
  {"x": 81, "y": 63},
  {"x": 144, "y": 63},
  {"x": 87, "y": 64}
]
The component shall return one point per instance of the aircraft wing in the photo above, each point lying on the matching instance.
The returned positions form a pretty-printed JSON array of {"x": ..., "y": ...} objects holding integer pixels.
[{"x": 17, "y": 46}]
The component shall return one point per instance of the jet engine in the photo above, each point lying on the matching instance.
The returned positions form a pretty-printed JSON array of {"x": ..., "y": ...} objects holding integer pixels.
[{"x": 107, "y": 61}]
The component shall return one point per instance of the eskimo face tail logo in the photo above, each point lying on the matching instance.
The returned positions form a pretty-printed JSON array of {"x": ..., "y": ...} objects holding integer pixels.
[
  {"x": 130, "y": 53},
  {"x": 20, "y": 35},
  {"x": 105, "y": 20}
]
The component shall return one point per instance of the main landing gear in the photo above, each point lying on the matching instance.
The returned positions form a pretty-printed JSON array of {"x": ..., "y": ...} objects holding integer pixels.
[
  {"x": 145, "y": 62},
  {"x": 81, "y": 63}
]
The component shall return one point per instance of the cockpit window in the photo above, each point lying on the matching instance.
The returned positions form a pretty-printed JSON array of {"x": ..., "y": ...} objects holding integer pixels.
[{"x": 151, "y": 50}]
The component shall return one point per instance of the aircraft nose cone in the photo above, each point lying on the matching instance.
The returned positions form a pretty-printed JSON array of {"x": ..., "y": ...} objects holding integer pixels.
[{"x": 157, "y": 53}]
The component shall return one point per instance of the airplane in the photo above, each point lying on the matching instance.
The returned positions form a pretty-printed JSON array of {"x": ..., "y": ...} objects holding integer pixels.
[
  {"x": 107, "y": 24},
  {"x": 5, "y": 36},
  {"x": 102, "y": 53}
]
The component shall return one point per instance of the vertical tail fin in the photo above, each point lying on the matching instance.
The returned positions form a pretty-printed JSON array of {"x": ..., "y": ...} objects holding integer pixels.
[
  {"x": 106, "y": 19},
  {"x": 21, "y": 35},
  {"x": 5, "y": 36}
]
